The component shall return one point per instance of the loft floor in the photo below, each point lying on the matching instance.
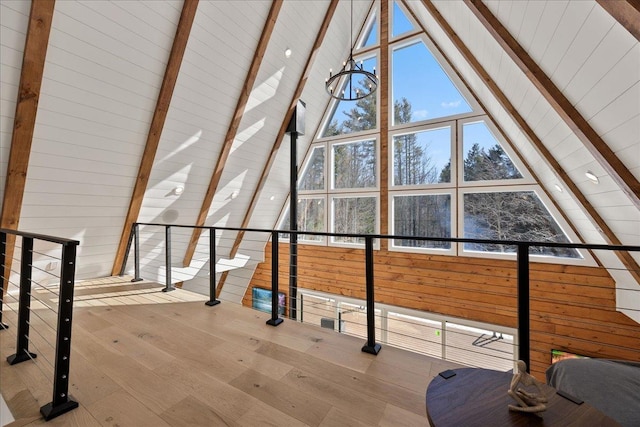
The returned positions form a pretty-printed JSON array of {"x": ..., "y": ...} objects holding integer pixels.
[{"x": 146, "y": 358}]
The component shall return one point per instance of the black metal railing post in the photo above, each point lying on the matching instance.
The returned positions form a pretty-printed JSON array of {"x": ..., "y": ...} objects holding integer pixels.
[
  {"x": 62, "y": 402},
  {"x": 24, "y": 305},
  {"x": 275, "y": 320},
  {"x": 212, "y": 269},
  {"x": 3, "y": 280},
  {"x": 371, "y": 346},
  {"x": 167, "y": 259},
  {"x": 524, "y": 349},
  {"x": 136, "y": 253}
]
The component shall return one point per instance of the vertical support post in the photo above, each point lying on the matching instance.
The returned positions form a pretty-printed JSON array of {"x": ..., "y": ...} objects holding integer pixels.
[
  {"x": 62, "y": 402},
  {"x": 212, "y": 269},
  {"x": 293, "y": 226},
  {"x": 294, "y": 128},
  {"x": 136, "y": 253},
  {"x": 371, "y": 346},
  {"x": 275, "y": 320},
  {"x": 3, "y": 280},
  {"x": 524, "y": 349},
  {"x": 24, "y": 309},
  {"x": 167, "y": 259}
]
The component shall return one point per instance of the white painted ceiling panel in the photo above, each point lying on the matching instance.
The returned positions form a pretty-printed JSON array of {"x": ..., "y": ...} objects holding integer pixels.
[
  {"x": 14, "y": 20},
  {"x": 98, "y": 94},
  {"x": 268, "y": 104},
  {"x": 207, "y": 89}
]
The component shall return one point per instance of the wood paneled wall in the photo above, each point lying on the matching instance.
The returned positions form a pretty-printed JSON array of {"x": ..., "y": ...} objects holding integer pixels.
[{"x": 572, "y": 307}]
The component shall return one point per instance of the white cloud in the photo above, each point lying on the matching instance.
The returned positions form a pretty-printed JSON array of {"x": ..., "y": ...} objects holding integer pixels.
[
  {"x": 451, "y": 104},
  {"x": 420, "y": 114}
]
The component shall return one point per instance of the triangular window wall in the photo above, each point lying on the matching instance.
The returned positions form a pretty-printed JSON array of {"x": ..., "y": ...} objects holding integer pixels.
[{"x": 450, "y": 172}]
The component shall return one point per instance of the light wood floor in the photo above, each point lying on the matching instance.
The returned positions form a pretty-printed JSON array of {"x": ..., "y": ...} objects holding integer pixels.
[{"x": 146, "y": 358}]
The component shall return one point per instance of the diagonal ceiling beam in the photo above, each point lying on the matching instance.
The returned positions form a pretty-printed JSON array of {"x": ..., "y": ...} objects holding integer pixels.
[
  {"x": 587, "y": 135},
  {"x": 174, "y": 62},
  {"x": 276, "y": 5},
  {"x": 626, "y": 12},
  {"x": 33, "y": 60},
  {"x": 607, "y": 233},
  {"x": 283, "y": 128}
]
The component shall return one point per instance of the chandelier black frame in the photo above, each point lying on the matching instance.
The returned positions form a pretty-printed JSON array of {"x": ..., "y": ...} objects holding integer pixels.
[{"x": 346, "y": 90}]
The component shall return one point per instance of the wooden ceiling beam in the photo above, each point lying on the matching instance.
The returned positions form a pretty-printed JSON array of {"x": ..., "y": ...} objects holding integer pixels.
[
  {"x": 252, "y": 74},
  {"x": 626, "y": 12},
  {"x": 189, "y": 8},
  {"x": 33, "y": 60},
  {"x": 599, "y": 222},
  {"x": 587, "y": 135},
  {"x": 283, "y": 128}
]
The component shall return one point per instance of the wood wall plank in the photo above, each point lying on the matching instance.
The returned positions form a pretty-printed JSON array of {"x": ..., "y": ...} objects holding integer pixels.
[{"x": 572, "y": 307}]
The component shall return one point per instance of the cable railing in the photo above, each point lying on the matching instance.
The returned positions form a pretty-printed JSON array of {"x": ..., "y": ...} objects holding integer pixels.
[
  {"x": 36, "y": 300},
  {"x": 395, "y": 298}
]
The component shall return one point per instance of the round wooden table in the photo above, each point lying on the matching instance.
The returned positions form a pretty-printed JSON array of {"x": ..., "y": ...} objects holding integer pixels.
[{"x": 478, "y": 397}]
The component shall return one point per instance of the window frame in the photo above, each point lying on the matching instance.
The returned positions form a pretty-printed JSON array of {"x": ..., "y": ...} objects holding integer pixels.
[
  {"x": 454, "y": 226},
  {"x": 506, "y": 147},
  {"x": 373, "y": 52},
  {"x": 331, "y": 178},
  {"x": 406, "y": 41},
  {"x": 586, "y": 260},
  {"x": 331, "y": 223},
  {"x": 416, "y": 129}
]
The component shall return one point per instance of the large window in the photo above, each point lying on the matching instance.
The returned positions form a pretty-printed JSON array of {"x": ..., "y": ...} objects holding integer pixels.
[
  {"x": 423, "y": 157},
  {"x": 449, "y": 171},
  {"x": 354, "y": 116},
  {"x": 511, "y": 215},
  {"x": 354, "y": 164},
  {"x": 424, "y": 215},
  {"x": 356, "y": 215}
]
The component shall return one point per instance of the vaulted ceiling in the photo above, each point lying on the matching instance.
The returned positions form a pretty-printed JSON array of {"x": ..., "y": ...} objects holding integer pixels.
[{"x": 118, "y": 103}]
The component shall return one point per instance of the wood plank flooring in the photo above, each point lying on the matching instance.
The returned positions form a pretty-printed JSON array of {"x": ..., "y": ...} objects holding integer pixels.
[{"x": 142, "y": 357}]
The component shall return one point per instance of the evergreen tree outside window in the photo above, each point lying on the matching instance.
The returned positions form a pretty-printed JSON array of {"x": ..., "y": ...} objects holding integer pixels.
[
  {"x": 422, "y": 158},
  {"x": 349, "y": 116},
  {"x": 355, "y": 215},
  {"x": 484, "y": 158},
  {"x": 354, "y": 165}
]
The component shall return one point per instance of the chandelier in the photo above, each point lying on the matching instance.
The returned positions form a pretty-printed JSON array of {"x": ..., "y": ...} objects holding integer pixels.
[{"x": 352, "y": 82}]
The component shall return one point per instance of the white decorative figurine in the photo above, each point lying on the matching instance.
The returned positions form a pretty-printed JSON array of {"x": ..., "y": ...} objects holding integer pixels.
[{"x": 528, "y": 401}]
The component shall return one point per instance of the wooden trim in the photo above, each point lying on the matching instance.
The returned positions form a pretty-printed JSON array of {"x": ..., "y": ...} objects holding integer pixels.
[
  {"x": 171, "y": 72},
  {"x": 626, "y": 12},
  {"x": 607, "y": 233},
  {"x": 589, "y": 137},
  {"x": 33, "y": 60},
  {"x": 252, "y": 74},
  {"x": 384, "y": 123},
  {"x": 283, "y": 127}
]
